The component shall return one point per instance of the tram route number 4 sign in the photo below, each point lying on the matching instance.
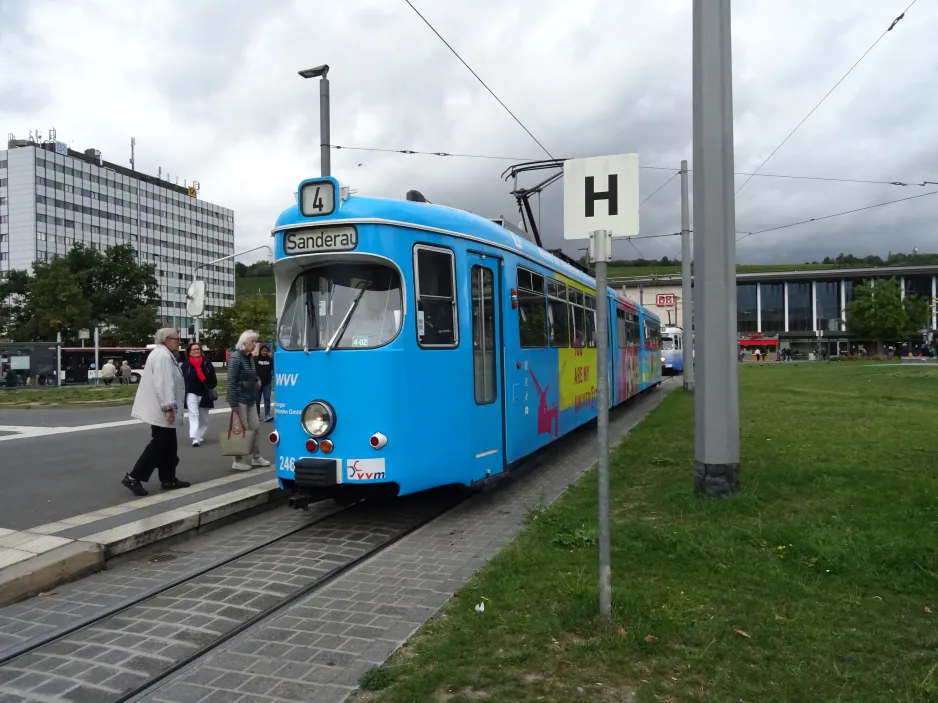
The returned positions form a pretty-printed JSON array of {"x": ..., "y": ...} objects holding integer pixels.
[{"x": 600, "y": 193}]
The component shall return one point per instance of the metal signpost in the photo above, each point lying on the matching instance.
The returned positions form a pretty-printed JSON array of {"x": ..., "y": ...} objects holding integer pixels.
[
  {"x": 716, "y": 397},
  {"x": 687, "y": 301},
  {"x": 600, "y": 200}
]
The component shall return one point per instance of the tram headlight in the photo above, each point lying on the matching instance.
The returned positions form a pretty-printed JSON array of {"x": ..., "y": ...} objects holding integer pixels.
[{"x": 318, "y": 419}]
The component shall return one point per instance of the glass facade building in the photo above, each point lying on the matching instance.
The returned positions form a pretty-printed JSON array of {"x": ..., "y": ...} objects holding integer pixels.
[
  {"x": 52, "y": 198},
  {"x": 795, "y": 305}
]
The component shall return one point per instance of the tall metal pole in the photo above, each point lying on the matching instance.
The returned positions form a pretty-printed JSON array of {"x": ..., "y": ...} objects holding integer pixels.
[
  {"x": 601, "y": 250},
  {"x": 716, "y": 400},
  {"x": 58, "y": 358},
  {"x": 324, "y": 153},
  {"x": 687, "y": 301},
  {"x": 97, "y": 361}
]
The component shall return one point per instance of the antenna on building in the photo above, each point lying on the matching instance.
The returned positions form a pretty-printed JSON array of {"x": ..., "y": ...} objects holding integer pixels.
[
  {"x": 52, "y": 134},
  {"x": 159, "y": 173},
  {"x": 133, "y": 143}
]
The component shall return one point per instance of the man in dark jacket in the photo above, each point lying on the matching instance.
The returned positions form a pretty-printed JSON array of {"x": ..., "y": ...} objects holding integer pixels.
[{"x": 264, "y": 365}]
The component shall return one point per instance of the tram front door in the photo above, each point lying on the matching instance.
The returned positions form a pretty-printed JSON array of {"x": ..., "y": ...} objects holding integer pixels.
[{"x": 487, "y": 411}]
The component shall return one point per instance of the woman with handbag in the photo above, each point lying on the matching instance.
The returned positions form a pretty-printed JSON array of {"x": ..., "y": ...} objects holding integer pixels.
[
  {"x": 200, "y": 391},
  {"x": 243, "y": 385}
]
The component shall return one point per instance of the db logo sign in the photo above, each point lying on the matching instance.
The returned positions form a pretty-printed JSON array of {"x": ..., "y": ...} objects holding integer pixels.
[{"x": 664, "y": 300}]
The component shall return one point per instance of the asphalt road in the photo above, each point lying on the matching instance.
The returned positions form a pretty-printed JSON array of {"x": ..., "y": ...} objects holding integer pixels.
[{"x": 49, "y": 477}]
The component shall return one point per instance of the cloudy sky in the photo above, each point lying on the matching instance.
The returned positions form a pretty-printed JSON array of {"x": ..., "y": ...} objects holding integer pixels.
[{"x": 210, "y": 91}]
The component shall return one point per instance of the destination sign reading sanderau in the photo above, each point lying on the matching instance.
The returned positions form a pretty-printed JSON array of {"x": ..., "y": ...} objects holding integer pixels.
[{"x": 315, "y": 240}]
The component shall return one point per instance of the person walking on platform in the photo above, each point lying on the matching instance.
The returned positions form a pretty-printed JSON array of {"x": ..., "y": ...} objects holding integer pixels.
[
  {"x": 201, "y": 381},
  {"x": 159, "y": 403},
  {"x": 265, "y": 374},
  {"x": 243, "y": 386}
]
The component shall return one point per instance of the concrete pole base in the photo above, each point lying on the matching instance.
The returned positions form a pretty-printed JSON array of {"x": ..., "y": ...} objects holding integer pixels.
[{"x": 716, "y": 480}]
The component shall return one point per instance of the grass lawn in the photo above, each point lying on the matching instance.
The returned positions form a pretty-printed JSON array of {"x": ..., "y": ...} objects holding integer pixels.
[
  {"x": 79, "y": 394},
  {"x": 819, "y": 582}
]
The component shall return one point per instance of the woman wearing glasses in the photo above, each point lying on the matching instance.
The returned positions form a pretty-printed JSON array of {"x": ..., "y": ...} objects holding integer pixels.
[{"x": 159, "y": 402}]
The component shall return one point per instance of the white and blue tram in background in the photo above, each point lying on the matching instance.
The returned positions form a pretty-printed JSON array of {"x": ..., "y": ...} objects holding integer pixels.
[
  {"x": 420, "y": 346},
  {"x": 672, "y": 350}
]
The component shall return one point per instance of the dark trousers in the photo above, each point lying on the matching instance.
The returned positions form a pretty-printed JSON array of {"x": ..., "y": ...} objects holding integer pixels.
[
  {"x": 159, "y": 454},
  {"x": 264, "y": 392}
]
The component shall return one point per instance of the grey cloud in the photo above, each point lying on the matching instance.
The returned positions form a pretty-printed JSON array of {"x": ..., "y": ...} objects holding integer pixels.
[{"x": 217, "y": 96}]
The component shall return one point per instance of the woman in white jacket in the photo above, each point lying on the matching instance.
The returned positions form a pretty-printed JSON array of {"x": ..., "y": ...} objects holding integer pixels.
[{"x": 159, "y": 402}]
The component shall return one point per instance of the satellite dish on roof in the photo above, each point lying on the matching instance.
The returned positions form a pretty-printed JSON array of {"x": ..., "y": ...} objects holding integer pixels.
[{"x": 195, "y": 299}]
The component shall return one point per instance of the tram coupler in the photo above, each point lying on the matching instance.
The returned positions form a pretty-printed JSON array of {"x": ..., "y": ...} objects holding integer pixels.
[{"x": 299, "y": 502}]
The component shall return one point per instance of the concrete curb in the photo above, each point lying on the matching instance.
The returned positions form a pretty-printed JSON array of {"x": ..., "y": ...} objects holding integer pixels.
[
  {"x": 78, "y": 558},
  {"x": 45, "y": 571}
]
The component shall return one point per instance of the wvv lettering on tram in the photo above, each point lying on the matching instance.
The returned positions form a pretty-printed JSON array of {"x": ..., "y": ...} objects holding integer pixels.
[{"x": 287, "y": 379}]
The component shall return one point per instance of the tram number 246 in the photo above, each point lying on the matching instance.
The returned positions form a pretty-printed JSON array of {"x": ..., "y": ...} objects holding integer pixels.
[{"x": 287, "y": 463}]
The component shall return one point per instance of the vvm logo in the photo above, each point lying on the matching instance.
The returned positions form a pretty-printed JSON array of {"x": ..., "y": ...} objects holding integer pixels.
[{"x": 364, "y": 469}]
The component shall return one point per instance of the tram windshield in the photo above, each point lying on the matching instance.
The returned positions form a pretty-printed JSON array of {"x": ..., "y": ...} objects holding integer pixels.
[
  {"x": 667, "y": 343},
  {"x": 342, "y": 306}
]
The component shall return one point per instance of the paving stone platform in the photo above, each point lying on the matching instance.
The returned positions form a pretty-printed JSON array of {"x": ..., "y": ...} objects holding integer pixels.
[
  {"x": 315, "y": 649},
  {"x": 318, "y": 649}
]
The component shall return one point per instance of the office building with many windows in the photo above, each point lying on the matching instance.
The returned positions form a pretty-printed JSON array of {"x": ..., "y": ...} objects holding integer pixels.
[
  {"x": 52, "y": 197},
  {"x": 798, "y": 309}
]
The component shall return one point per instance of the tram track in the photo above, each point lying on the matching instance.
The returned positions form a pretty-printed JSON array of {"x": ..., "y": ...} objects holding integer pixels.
[{"x": 121, "y": 653}]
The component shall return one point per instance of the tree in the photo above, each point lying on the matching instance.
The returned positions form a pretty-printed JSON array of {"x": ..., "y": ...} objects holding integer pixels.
[
  {"x": 13, "y": 289},
  {"x": 113, "y": 282},
  {"x": 250, "y": 312},
  {"x": 54, "y": 303},
  {"x": 878, "y": 312},
  {"x": 136, "y": 326},
  {"x": 221, "y": 329}
]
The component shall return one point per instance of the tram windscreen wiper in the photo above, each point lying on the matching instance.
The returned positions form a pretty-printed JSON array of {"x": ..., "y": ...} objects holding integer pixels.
[
  {"x": 362, "y": 286},
  {"x": 311, "y": 318}
]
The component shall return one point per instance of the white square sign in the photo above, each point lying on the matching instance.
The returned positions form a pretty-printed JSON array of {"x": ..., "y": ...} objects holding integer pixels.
[{"x": 600, "y": 192}]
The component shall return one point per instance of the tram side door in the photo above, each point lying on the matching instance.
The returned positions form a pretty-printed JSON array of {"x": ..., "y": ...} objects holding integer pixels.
[{"x": 487, "y": 407}]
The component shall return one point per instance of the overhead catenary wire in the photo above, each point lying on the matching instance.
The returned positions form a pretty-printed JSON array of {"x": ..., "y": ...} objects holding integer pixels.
[
  {"x": 836, "y": 214},
  {"x": 413, "y": 152},
  {"x": 456, "y": 54},
  {"x": 842, "y": 78},
  {"x": 800, "y": 222},
  {"x": 659, "y": 188}
]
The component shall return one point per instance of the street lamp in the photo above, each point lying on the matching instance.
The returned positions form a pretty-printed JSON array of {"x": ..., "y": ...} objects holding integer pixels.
[{"x": 322, "y": 72}]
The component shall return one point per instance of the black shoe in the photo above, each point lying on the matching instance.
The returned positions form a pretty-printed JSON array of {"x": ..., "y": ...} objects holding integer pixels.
[
  {"x": 175, "y": 483},
  {"x": 134, "y": 485}
]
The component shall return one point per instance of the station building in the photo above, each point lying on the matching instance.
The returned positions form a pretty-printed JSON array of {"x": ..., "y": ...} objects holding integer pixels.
[
  {"x": 796, "y": 309},
  {"x": 52, "y": 197}
]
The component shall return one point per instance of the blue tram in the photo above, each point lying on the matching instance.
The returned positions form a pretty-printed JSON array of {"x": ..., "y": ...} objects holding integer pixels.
[
  {"x": 672, "y": 350},
  {"x": 420, "y": 346}
]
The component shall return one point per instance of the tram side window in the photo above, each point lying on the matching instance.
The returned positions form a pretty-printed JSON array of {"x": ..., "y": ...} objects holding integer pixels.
[
  {"x": 577, "y": 318},
  {"x": 483, "y": 334},
  {"x": 435, "y": 286},
  {"x": 590, "y": 321},
  {"x": 651, "y": 334},
  {"x": 633, "y": 329},
  {"x": 557, "y": 312},
  {"x": 532, "y": 309},
  {"x": 621, "y": 332}
]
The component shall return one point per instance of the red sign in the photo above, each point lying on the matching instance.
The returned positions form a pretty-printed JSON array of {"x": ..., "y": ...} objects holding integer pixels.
[{"x": 664, "y": 300}]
